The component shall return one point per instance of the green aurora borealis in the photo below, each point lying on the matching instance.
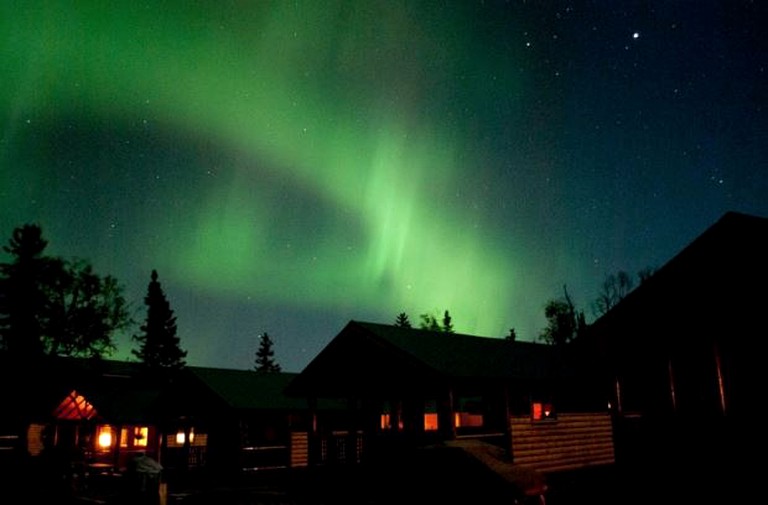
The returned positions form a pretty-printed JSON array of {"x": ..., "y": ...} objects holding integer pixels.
[{"x": 279, "y": 161}]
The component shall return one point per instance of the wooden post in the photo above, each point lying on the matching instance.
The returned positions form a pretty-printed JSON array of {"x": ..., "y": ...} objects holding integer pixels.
[
  {"x": 351, "y": 442},
  {"x": 672, "y": 394},
  {"x": 446, "y": 416},
  {"x": 314, "y": 455},
  {"x": 116, "y": 451},
  {"x": 395, "y": 414},
  {"x": 507, "y": 424},
  {"x": 720, "y": 383}
]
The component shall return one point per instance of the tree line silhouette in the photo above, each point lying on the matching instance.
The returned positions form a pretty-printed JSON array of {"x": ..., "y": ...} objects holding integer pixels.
[
  {"x": 53, "y": 306},
  {"x": 565, "y": 322},
  {"x": 50, "y": 306}
]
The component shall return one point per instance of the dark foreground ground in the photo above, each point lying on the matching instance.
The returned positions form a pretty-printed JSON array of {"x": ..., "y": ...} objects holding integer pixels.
[{"x": 444, "y": 477}]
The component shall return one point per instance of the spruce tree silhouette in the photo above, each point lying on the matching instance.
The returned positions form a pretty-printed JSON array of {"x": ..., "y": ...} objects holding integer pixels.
[
  {"x": 265, "y": 361},
  {"x": 447, "y": 322},
  {"x": 402, "y": 320},
  {"x": 159, "y": 347},
  {"x": 21, "y": 293}
]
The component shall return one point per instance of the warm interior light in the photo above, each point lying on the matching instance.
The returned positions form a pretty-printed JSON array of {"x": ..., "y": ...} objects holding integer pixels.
[
  {"x": 181, "y": 438},
  {"x": 104, "y": 438},
  {"x": 468, "y": 420},
  {"x": 140, "y": 435},
  {"x": 430, "y": 422}
]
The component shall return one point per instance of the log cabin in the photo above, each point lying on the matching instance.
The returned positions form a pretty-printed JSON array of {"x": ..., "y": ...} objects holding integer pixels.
[
  {"x": 682, "y": 353},
  {"x": 406, "y": 387},
  {"x": 97, "y": 415},
  {"x": 234, "y": 421},
  {"x": 94, "y": 415}
]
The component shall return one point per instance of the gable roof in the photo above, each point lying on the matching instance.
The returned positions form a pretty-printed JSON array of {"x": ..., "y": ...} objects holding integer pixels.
[
  {"x": 245, "y": 389},
  {"x": 710, "y": 279},
  {"x": 116, "y": 389},
  {"x": 460, "y": 355},
  {"x": 371, "y": 357}
]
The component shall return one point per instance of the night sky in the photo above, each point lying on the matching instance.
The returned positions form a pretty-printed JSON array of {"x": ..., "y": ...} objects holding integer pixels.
[{"x": 289, "y": 166}]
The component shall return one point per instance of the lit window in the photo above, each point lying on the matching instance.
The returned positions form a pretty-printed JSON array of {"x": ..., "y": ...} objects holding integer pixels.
[
  {"x": 198, "y": 439},
  {"x": 388, "y": 413},
  {"x": 104, "y": 437},
  {"x": 430, "y": 421},
  {"x": 468, "y": 420},
  {"x": 541, "y": 411},
  {"x": 140, "y": 436},
  {"x": 74, "y": 407},
  {"x": 124, "y": 437},
  {"x": 181, "y": 438},
  {"x": 430, "y": 415},
  {"x": 470, "y": 413}
]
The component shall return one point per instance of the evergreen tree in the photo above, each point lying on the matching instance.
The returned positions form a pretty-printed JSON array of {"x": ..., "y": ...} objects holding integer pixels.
[
  {"x": 265, "y": 356},
  {"x": 447, "y": 324},
  {"x": 22, "y": 294},
  {"x": 402, "y": 320},
  {"x": 159, "y": 347}
]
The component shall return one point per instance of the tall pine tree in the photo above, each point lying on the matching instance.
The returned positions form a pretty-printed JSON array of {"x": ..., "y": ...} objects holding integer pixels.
[
  {"x": 447, "y": 323},
  {"x": 159, "y": 347},
  {"x": 22, "y": 298},
  {"x": 265, "y": 356},
  {"x": 402, "y": 320}
]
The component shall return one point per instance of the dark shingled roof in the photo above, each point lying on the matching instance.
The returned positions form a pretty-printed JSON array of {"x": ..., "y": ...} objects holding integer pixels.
[
  {"x": 459, "y": 355},
  {"x": 116, "y": 389},
  {"x": 370, "y": 358},
  {"x": 715, "y": 271},
  {"x": 246, "y": 389}
]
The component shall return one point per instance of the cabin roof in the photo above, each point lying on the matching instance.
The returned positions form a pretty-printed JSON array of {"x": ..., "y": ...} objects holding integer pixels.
[
  {"x": 117, "y": 389},
  {"x": 369, "y": 357},
  {"x": 461, "y": 355},
  {"x": 710, "y": 277},
  {"x": 247, "y": 389},
  {"x": 114, "y": 388}
]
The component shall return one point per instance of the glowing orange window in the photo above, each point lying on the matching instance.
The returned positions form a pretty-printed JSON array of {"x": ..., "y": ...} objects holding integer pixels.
[{"x": 430, "y": 421}]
